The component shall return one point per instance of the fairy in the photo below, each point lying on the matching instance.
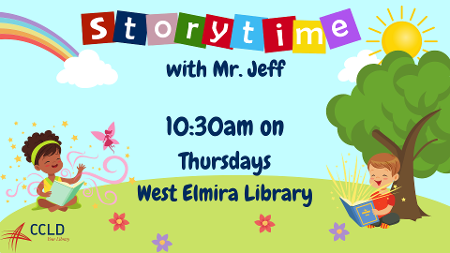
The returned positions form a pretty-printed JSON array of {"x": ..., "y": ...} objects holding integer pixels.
[
  {"x": 43, "y": 150},
  {"x": 107, "y": 138}
]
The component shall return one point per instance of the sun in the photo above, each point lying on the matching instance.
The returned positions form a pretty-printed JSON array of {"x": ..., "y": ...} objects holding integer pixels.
[{"x": 402, "y": 35}]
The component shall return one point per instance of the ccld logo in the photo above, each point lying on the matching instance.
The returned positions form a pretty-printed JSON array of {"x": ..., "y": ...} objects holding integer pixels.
[
  {"x": 42, "y": 230},
  {"x": 13, "y": 237},
  {"x": 50, "y": 230}
]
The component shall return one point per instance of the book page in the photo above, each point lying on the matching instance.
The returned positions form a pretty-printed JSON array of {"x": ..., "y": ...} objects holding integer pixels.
[{"x": 69, "y": 185}]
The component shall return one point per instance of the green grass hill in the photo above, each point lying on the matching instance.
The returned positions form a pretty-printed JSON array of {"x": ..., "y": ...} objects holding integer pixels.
[{"x": 226, "y": 226}]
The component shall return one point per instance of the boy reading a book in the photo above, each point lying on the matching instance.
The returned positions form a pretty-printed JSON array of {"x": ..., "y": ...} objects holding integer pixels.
[
  {"x": 43, "y": 150},
  {"x": 383, "y": 169}
]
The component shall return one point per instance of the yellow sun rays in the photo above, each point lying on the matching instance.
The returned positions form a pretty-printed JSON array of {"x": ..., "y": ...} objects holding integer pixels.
[
  {"x": 428, "y": 30},
  {"x": 374, "y": 30},
  {"x": 390, "y": 14},
  {"x": 354, "y": 190},
  {"x": 412, "y": 15},
  {"x": 398, "y": 44},
  {"x": 376, "y": 52},
  {"x": 381, "y": 21},
  {"x": 422, "y": 21}
]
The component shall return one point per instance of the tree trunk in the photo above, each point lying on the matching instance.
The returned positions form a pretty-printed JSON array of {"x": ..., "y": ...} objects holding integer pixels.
[{"x": 405, "y": 197}]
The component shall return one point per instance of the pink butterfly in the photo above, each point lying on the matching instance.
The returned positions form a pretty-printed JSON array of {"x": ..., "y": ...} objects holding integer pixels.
[{"x": 107, "y": 138}]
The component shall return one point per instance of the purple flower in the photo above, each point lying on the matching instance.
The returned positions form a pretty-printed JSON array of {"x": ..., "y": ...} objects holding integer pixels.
[
  {"x": 339, "y": 232},
  {"x": 162, "y": 243}
]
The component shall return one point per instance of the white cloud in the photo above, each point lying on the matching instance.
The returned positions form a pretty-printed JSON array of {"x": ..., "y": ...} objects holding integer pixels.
[
  {"x": 354, "y": 64},
  {"x": 87, "y": 71}
]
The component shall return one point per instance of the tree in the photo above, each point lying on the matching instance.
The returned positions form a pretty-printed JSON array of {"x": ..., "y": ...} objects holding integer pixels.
[{"x": 401, "y": 108}]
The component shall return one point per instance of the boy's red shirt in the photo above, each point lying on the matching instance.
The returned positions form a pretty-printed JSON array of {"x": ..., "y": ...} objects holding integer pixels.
[{"x": 382, "y": 202}]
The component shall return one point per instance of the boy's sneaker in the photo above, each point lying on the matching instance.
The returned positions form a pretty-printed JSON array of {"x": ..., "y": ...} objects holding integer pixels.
[{"x": 384, "y": 226}]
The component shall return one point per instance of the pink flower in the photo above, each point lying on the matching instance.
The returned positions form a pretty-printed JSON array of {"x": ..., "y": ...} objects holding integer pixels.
[
  {"x": 264, "y": 223},
  {"x": 119, "y": 221}
]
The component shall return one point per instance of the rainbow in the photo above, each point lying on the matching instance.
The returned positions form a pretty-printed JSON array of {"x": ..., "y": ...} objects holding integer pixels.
[{"x": 13, "y": 27}]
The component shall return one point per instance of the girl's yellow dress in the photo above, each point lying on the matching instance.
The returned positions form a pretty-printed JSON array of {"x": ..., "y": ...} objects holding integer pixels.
[{"x": 47, "y": 187}]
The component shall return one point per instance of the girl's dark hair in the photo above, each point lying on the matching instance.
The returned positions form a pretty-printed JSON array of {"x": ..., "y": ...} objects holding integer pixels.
[{"x": 36, "y": 139}]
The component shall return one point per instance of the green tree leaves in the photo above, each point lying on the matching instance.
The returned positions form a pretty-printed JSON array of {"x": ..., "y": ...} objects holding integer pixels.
[{"x": 393, "y": 97}]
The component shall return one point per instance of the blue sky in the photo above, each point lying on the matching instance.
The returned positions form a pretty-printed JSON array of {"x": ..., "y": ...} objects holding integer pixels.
[{"x": 144, "y": 96}]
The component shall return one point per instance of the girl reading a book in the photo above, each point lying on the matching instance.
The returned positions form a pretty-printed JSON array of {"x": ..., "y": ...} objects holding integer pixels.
[{"x": 43, "y": 150}]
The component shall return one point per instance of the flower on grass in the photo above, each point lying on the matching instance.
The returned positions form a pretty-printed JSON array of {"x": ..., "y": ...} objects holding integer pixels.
[
  {"x": 162, "y": 242},
  {"x": 339, "y": 232},
  {"x": 119, "y": 221},
  {"x": 264, "y": 223}
]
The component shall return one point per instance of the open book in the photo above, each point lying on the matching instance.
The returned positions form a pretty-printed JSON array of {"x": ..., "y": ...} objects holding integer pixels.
[
  {"x": 63, "y": 192},
  {"x": 360, "y": 211}
]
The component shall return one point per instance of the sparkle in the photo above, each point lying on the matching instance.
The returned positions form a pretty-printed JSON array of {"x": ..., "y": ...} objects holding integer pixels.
[
  {"x": 3, "y": 177},
  {"x": 95, "y": 206},
  {"x": 127, "y": 155},
  {"x": 132, "y": 180},
  {"x": 13, "y": 146},
  {"x": 18, "y": 159},
  {"x": 24, "y": 178},
  {"x": 64, "y": 124},
  {"x": 10, "y": 139},
  {"x": 75, "y": 137},
  {"x": 34, "y": 124},
  {"x": 16, "y": 123},
  {"x": 403, "y": 199},
  {"x": 24, "y": 187}
]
